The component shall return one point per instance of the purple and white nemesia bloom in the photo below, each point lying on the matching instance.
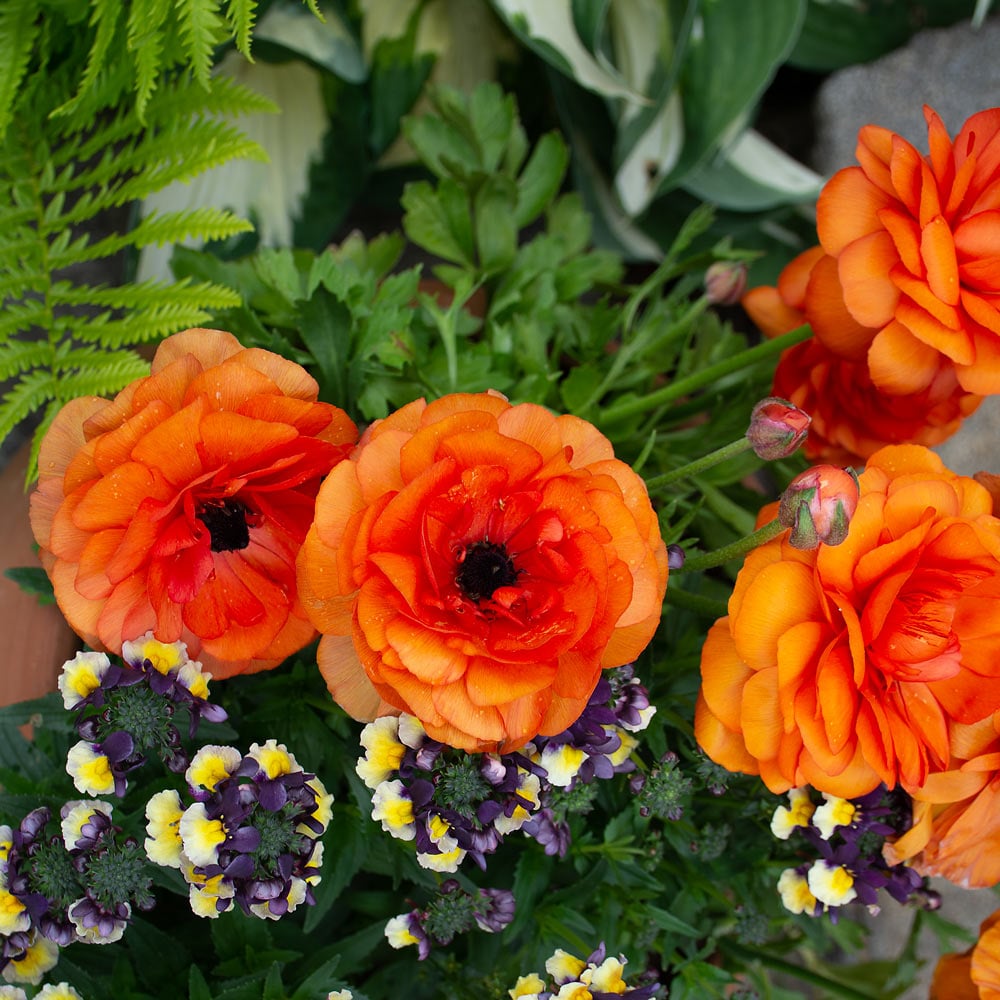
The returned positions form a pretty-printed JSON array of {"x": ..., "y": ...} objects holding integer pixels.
[
  {"x": 597, "y": 977},
  {"x": 78, "y": 882},
  {"x": 126, "y": 711},
  {"x": 454, "y": 804},
  {"x": 845, "y": 863},
  {"x": 452, "y": 911},
  {"x": 251, "y": 835}
]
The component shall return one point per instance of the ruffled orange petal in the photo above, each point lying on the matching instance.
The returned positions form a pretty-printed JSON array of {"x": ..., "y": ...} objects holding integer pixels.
[{"x": 901, "y": 364}]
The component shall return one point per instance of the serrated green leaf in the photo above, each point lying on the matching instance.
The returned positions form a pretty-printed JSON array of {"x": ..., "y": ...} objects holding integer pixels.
[
  {"x": 439, "y": 220},
  {"x": 496, "y": 222},
  {"x": 19, "y": 26},
  {"x": 541, "y": 178}
]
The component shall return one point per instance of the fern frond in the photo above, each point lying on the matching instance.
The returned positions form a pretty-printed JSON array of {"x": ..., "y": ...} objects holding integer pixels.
[
  {"x": 19, "y": 24},
  {"x": 100, "y": 372},
  {"x": 18, "y": 356},
  {"x": 148, "y": 294},
  {"x": 313, "y": 5},
  {"x": 104, "y": 18},
  {"x": 168, "y": 227},
  {"x": 32, "y": 392},
  {"x": 144, "y": 37},
  {"x": 201, "y": 29},
  {"x": 241, "y": 15}
]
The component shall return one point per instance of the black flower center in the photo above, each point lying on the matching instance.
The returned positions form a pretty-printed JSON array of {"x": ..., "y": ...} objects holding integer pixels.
[
  {"x": 226, "y": 521},
  {"x": 486, "y": 567}
]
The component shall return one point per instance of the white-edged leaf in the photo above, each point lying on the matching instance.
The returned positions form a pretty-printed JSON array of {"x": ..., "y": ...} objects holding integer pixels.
[
  {"x": 652, "y": 157},
  {"x": 752, "y": 174},
  {"x": 327, "y": 43},
  {"x": 547, "y": 28}
]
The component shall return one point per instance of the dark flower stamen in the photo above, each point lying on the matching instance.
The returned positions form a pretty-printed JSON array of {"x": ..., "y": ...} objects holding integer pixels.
[
  {"x": 485, "y": 567},
  {"x": 226, "y": 521}
]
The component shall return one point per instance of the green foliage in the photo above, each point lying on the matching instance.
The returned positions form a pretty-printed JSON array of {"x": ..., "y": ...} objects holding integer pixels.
[{"x": 77, "y": 154}]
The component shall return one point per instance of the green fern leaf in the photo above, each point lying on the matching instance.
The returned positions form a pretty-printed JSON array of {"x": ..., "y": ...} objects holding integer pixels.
[
  {"x": 22, "y": 355},
  {"x": 19, "y": 24},
  {"x": 31, "y": 393},
  {"x": 201, "y": 30},
  {"x": 313, "y": 5},
  {"x": 105, "y": 16},
  {"x": 241, "y": 15},
  {"x": 144, "y": 37}
]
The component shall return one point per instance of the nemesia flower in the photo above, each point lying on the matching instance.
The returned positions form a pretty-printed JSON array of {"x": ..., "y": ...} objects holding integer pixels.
[
  {"x": 476, "y": 565},
  {"x": 455, "y": 805},
  {"x": 12, "y": 993},
  {"x": 81, "y": 676},
  {"x": 126, "y": 711},
  {"x": 914, "y": 257},
  {"x": 251, "y": 835},
  {"x": 847, "y": 840},
  {"x": 887, "y": 640},
  {"x": 40, "y": 956},
  {"x": 818, "y": 505},
  {"x": 797, "y": 814},
  {"x": 452, "y": 911},
  {"x": 163, "y": 814},
  {"x": 179, "y": 507},
  {"x": 834, "y": 812},
  {"x": 90, "y": 769},
  {"x": 78, "y": 883},
  {"x": 831, "y": 884},
  {"x": 851, "y": 417},
  {"x": 975, "y": 974},
  {"x": 598, "y": 977},
  {"x": 796, "y": 896},
  {"x": 57, "y": 991}
]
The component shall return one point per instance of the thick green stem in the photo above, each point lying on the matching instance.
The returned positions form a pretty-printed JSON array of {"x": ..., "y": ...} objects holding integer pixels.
[
  {"x": 699, "y": 465},
  {"x": 830, "y": 987},
  {"x": 710, "y": 607},
  {"x": 698, "y": 380},
  {"x": 740, "y": 547}
]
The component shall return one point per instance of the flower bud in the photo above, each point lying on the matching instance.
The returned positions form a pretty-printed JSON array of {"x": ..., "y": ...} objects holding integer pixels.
[
  {"x": 818, "y": 506},
  {"x": 725, "y": 282},
  {"x": 777, "y": 428}
]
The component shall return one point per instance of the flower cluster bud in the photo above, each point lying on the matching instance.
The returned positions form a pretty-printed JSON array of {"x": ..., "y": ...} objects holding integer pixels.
[
  {"x": 818, "y": 505},
  {"x": 777, "y": 428},
  {"x": 725, "y": 282}
]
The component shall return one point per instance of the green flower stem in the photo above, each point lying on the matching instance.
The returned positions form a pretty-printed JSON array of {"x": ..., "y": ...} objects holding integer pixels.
[
  {"x": 698, "y": 380},
  {"x": 830, "y": 987},
  {"x": 699, "y": 464},
  {"x": 710, "y": 607},
  {"x": 740, "y": 547}
]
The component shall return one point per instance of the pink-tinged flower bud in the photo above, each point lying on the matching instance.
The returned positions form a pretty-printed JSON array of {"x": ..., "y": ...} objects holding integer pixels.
[
  {"x": 725, "y": 282},
  {"x": 818, "y": 506},
  {"x": 777, "y": 428}
]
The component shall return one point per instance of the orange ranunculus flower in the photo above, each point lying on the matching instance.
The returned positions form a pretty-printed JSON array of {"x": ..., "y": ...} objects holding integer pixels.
[
  {"x": 481, "y": 562},
  {"x": 851, "y": 417},
  {"x": 956, "y": 812},
  {"x": 916, "y": 244},
  {"x": 847, "y": 666},
  {"x": 179, "y": 507},
  {"x": 975, "y": 974}
]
